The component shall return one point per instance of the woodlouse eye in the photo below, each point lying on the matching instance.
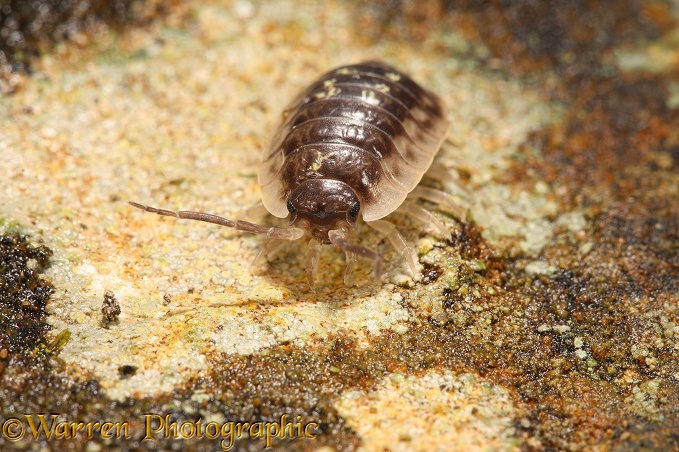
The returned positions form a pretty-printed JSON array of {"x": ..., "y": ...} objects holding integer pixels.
[
  {"x": 354, "y": 209},
  {"x": 291, "y": 207}
]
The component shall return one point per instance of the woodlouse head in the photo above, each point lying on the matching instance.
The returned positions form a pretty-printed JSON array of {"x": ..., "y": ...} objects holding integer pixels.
[{"x": 321, "y": 205}]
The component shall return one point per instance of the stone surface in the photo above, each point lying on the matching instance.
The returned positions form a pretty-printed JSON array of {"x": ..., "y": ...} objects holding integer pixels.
[{"x": 549, "y": 321}]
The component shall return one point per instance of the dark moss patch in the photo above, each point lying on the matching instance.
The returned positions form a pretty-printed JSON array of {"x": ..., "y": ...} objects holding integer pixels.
[
  {"x": 29, "y": 27},
  {"x": 309, "y": 380},
  {"x": 127, "y": 371},
  {"x": 23, "y": 295},
  {"x": 617, "y": 299},
  {"x": 568, "y": 400},
  {"x": 33, "y": 380},
  {"x": 640, "y": 242},
  {"x": 578, "y": 383},
  {"x": 110, "y": 309},
  {"x": 294, "y": 381},
  {"x": 431, "y": 273},
  {"x": 468, "y": 243},
  {"x": 613, "y": 155}
]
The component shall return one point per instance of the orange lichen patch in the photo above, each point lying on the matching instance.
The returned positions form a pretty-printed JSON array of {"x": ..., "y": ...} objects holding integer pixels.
[
  {"x": 658, "y": 13},
  {"x": 615, "y": 132},
  {"x": 436, "y": 403}
]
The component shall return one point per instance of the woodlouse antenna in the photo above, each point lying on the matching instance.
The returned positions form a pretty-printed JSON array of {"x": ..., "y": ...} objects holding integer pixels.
[
  {"x": 338, "y": 237},
  {"x": 240, "y": 225}
]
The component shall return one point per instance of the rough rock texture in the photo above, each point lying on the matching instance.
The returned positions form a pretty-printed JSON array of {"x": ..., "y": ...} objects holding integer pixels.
[{"x": 549, "y": 321}]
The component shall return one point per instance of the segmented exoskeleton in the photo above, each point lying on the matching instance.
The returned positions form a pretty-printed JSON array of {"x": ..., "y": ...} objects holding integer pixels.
[{"x": 356, "y": 142}]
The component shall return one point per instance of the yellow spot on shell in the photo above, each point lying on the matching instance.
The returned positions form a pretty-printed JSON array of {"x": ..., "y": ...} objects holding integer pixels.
[
  {"x": 367, "y": 94},
  {"x": 318, "y": 161},
  {"x": 334, "y": 91},
  {"x": 329, "y": 91},
  {"x": 393, "y": 76},
  {"x": 346, "y": 71}
]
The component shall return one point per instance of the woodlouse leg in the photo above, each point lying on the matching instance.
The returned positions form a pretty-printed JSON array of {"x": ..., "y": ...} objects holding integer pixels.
[
  {"x": 350, "y": 261},
  {"x": 338, "y": 237},
  {"x": 420, "y": 213},
  {"x": 312, "y": 256},
  {"x": 440, "y": 173},
  {"x": 440, "y": 197},
  {"x": 397, "y": 241},
  {"x": 240, "y": 225},
  {"x": 260, "y": 259}
]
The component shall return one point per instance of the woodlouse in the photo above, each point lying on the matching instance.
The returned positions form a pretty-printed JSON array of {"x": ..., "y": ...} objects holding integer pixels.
[{"x": 358, "y": 140}]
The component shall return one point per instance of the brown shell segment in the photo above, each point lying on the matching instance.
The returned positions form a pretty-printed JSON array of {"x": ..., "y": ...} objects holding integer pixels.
[{"x": 367, "y": 125}]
